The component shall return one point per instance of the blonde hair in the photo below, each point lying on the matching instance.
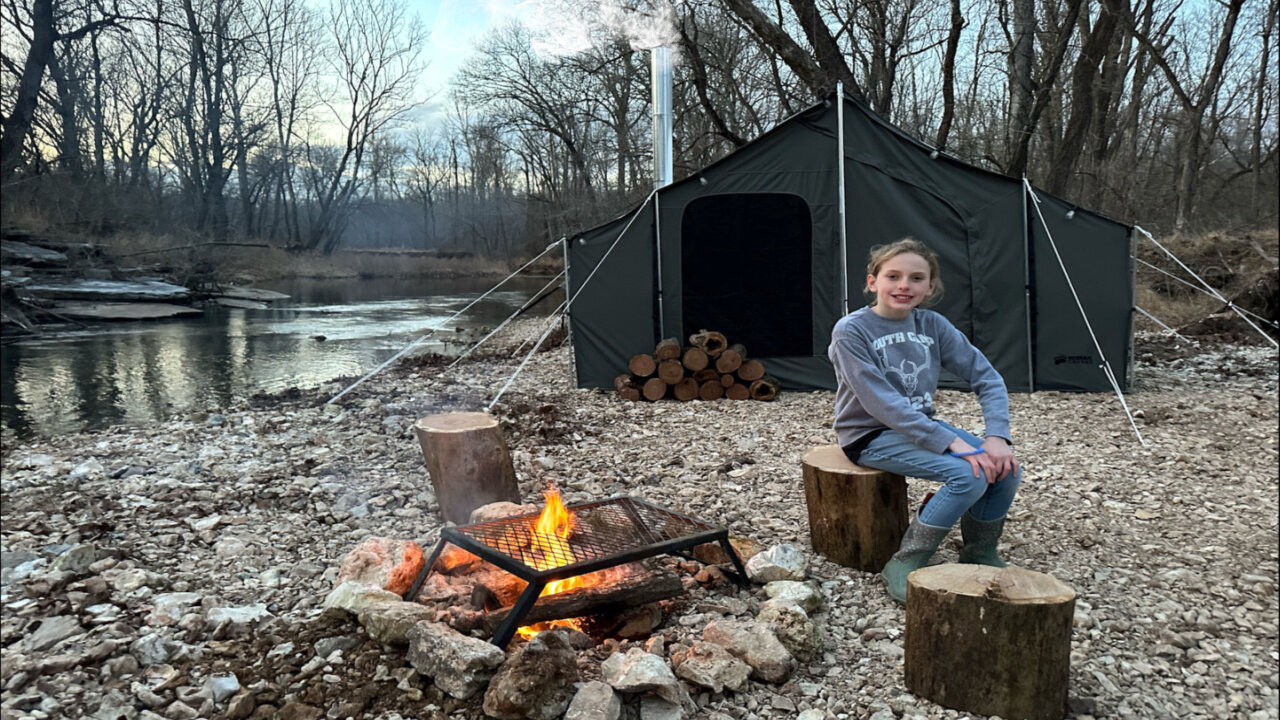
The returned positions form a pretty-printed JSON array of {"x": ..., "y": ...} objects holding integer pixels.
[{"x": 881, "y": 254}]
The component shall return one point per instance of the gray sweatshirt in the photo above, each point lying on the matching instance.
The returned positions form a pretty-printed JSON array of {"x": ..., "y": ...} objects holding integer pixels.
[{"x": 888, "y": 376}]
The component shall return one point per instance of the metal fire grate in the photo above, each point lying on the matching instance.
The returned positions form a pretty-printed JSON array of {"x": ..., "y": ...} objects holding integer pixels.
[{"x": 606, "y": 533}]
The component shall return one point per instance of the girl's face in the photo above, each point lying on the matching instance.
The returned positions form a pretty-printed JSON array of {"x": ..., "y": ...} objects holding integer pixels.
[{"x": 904, "y": 281}]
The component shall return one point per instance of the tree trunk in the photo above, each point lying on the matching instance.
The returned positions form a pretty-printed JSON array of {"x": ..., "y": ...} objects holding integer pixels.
[
  {"x": 857, "y": 515},
  {"x": 17, "y": 124},
  {"x": 1021, "y": 86},
  {"x": 995, "y": 641},
  {"x": 949, "y": 75},
  {"x": 467, "y": 459}
]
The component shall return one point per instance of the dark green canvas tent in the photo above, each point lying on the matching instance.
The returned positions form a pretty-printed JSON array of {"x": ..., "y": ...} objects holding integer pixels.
[{"x": 751, "y": 246}]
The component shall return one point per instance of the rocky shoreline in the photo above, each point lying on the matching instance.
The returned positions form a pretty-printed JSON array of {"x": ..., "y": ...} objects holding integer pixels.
[{"x": 245, "y": 514}]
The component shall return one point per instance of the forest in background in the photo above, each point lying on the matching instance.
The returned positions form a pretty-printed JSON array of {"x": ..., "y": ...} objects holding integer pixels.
[{"x": 309, "y": 126}]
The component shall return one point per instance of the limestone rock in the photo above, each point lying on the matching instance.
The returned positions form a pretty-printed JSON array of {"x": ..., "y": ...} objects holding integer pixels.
[
  {"x": 536, "y": 682},
  {"x": 353, "y": 597},
  {"x": 638, "y": 671},
  {"x": 711, "y": 666},
  {"x": 756, "y": 645},
  {"x": 499, "y": 510},
  {"x": 780, "y": 562},
  {"x": 801, "y": 593},
  {"x": 458, "y": 664},
  {"x": 390, "y": 622},
  {"x": 793, "y": 627},
  {"x": 52, "y": 631},
  {"x": 594, "y": 701}
]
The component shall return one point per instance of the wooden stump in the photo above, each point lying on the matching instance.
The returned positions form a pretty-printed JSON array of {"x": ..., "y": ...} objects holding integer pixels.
[
  {"x": 994, "y": 641},
  {"x": 466, "y": 457},
  {"x": 857, "y": 515}
]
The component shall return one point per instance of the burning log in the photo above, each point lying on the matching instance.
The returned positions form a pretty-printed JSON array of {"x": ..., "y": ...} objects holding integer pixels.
[
  {"x": 627, "y": 387},
  {"x": 668, "y": 349},
  {"x": 642, "y": 365},
  {"x": 766, "y": 388},
  {"x": 685, "y": 373},
  {"x": 622, "y": 590},
  {"x": 468, "y": 462}
]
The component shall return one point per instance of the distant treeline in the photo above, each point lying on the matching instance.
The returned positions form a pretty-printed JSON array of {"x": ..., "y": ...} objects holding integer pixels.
[{"x": 306, "y": 124}]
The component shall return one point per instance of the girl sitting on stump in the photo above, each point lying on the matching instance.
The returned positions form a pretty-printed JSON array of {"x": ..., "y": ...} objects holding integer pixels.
[{"x": 887, "y": 358}]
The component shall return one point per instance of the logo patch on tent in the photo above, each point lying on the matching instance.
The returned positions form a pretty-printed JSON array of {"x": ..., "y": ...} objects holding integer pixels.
[{"x": 1072, "y": 359}]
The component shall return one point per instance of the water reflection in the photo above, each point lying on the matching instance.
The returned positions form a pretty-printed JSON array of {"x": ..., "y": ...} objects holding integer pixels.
[{"x": 139, "y": 372}]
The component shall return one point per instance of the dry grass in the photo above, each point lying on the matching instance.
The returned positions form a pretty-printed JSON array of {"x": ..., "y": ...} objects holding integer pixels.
[{"x": 1237, "y": 265}]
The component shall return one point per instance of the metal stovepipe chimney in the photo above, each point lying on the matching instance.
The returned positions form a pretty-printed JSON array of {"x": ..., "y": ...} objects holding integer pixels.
[{"x": 660, "y": 59}]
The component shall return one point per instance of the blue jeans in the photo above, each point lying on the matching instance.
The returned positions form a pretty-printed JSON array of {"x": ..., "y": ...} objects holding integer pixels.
[{"x": 960, "y": 490}]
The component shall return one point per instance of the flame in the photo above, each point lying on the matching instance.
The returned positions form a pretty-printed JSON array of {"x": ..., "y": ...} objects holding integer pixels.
[{"x": 549, "y": 547}]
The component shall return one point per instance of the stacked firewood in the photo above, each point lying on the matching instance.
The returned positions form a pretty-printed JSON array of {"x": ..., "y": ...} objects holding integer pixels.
[{"x": 708, "y": 368}]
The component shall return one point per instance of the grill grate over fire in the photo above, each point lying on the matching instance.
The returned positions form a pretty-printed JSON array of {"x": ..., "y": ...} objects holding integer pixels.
[{"x": 600, "y": 534}]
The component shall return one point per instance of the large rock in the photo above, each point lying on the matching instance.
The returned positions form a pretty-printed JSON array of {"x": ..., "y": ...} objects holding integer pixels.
[
  {"x": 354, "y": 596},
  {"x": 780, "y": 562},
  {"x": 756, "y": 645},
  {"x": 537, "y": 682},
  {"x": 168, "y": 608},
  {"x": 792, "y": 626},
  {"x": 458, "y": 664},
  {"x": 499, "y": 510},
  {"x": 711, "y": 666},
  {"x": 386, "y": 563},
  {"x": 801, "y": 593},
  {"x": 639, "y": 671},
  {"x": 52, "y": 631},
  {"x": 390, "y": 623},
  {"x": 595, "y": 701}
]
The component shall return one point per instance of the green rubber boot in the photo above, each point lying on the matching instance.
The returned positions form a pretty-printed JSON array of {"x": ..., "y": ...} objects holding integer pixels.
[
  {"x": 980, "y": 540},
  {"x": 918, "y": 545}
]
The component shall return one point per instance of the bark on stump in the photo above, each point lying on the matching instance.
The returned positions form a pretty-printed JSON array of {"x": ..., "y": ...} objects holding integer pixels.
[
  {"x": 467, "y": 459},
  {"x": 857, "y": 515},
  {"x": 994, "y": 641}
]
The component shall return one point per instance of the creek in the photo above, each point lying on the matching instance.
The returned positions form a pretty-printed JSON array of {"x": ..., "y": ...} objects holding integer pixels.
[{"x": 85, "y": 377}]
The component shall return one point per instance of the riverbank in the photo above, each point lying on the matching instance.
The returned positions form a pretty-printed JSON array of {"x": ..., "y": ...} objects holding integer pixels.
[{"x": 1170, "y": 546}]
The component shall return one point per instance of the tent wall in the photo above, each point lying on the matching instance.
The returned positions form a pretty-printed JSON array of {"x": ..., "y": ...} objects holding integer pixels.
[
  {"x": 1003, "y": 287},
  {"x": 1096, "y": 252}
]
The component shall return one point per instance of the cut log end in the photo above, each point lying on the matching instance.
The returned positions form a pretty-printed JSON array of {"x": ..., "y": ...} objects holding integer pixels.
[
  {"x": 766, "y": 388},
  {"x": 671, "y": 371},
  {"x": 709, "y": 341},
  {"x": 654, "y": 389},
  {"x": 751, "y": 370},
  {"x": 642, "y": 365},
  {"x": 711, "y": 390},
  {"x": 695, "y": 359},
  {"x": 457, "y": 422},
  {"x": 668, "y": 349},
  {"x": 685, "y": 390}
]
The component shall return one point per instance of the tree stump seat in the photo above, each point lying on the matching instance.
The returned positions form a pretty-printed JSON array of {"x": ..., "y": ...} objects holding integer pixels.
[
  {"x": 995, "y": 641},
  {"x": 857, "y": 515},
  {"x": 467, "y": 459}
]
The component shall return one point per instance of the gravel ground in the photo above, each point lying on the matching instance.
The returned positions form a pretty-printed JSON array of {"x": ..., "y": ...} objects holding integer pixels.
[{"x": 1171, "y": 546}]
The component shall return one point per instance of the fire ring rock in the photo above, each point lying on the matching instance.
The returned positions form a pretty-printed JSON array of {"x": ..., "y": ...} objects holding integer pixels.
[
  {"x": 639, "y": 671},
  {"x": 388, "y": 563},
  {"x": 537, "y": 682},
  {"x": 755, "y": 644},
  {"x": 780, "y": 562},
  {"x": 711, "y": 666},
  {"x": 458, "y": 664},
  {"x": 792, "y": 626}
]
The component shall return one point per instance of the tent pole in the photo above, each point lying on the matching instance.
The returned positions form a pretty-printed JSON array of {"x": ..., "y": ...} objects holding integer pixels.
[
  {"x": 568, "y": 321},
  {"x": 1133, "y": 300},
  {"x": 844, "y": 241},
  {"x": 1026, "y": 289},
  {"x": 657, "y": 248}
]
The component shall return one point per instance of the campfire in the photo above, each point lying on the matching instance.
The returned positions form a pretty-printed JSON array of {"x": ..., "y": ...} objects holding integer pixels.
[{"x": 577, "y": 560}]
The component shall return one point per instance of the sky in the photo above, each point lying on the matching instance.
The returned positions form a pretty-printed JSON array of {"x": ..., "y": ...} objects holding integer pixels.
[{"x": 454, "y": 26}]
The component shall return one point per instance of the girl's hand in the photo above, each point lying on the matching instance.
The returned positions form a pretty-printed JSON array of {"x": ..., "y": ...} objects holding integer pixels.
[
  {"x": 1001, "y": 456},
  {"x": 978, "y": 458}
]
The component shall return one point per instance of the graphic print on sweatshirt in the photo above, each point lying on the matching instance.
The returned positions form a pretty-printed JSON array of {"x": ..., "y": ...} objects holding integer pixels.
[{"x": 903, "y": 355}]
